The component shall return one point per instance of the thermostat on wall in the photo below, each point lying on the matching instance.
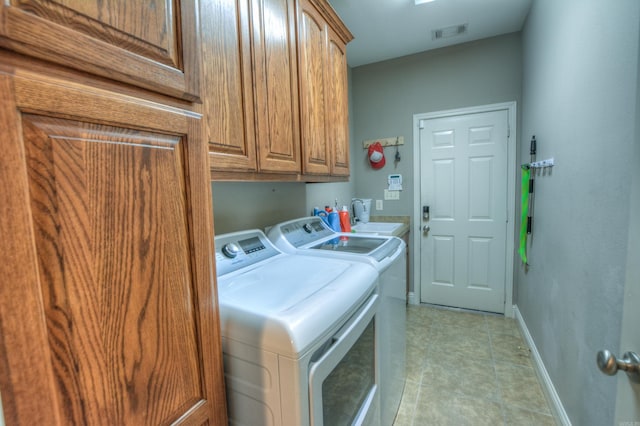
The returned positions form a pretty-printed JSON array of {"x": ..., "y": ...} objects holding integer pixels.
[{"x": 395, "y": 182}]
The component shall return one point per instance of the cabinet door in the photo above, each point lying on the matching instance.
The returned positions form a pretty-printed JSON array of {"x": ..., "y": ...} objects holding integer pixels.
[
  {"x": 276, "y": 80},
  {"x": 147, "y": 43},
  {"x": 312, "y": 50},
  {"x": 228, "y": 85},
  {"x": 108, "y": 307},
  {"x": 338, "y": 106}
]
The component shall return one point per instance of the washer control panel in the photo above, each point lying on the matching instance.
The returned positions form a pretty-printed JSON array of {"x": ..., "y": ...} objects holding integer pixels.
[
  {"x": 304, "y": 231},
  {"x": 242, "y": 249}
]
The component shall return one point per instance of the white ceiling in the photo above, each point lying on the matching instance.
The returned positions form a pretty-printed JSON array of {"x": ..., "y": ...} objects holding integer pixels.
[{"x": 385, "y": 29}]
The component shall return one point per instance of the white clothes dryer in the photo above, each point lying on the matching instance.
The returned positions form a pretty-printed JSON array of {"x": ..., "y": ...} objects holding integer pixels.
[
  {"x": 298, "y": 335},
  {"x": 310, "y": 236}
]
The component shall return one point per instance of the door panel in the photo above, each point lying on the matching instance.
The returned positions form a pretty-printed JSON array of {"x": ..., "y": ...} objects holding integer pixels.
[
  {"x": 480, "y": 188},
  {"x": 337, "y": 106},
  {"x": 276, "y": 80},
  {"x": 312, "y": 42},
  {"x": 443, "y": 189},
  {"x": 148, "y": 44},
  {"x": 464, "y": 181},
  {"x": 228, "y": 86},
  {"x": 120, "y": 287},
  {"x": 443, "y": 255},
  {"x": 110, "y": 222}
]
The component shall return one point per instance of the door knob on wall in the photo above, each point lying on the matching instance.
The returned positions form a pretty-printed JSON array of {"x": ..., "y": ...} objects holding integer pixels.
[{"x": 609, "y": 364}]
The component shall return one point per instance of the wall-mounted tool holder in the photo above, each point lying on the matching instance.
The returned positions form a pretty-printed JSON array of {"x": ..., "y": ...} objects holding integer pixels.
[
  {"x": 528, "y": 174},
  {"x": 541, "y": 164},
  {"x": 393, "y": 141}
]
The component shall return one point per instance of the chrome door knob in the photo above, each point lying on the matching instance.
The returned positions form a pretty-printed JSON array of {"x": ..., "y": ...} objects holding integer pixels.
[
  {"x": 609, "y": 364},
  {"x": 426, "y": 229}
]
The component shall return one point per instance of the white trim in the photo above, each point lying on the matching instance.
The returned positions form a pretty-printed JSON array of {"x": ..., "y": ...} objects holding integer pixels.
[
  {"x": 548, "y": 387},
  {"x": 512, "y": 144}
]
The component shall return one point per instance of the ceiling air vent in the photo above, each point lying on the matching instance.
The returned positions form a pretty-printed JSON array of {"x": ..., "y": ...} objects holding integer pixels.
[{"x": 447, "y": 32}]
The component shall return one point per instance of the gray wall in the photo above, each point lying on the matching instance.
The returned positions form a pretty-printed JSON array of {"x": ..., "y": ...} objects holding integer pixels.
[
  {"x": 248, "y": 205},
  {"x": 580, "y": 63},
  {"x": 387, "y": 94}
]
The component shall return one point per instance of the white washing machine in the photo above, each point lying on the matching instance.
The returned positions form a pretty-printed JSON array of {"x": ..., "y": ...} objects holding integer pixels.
[
  {"x": 310, "y": 236},
  {"x": 298, "y": 335}
]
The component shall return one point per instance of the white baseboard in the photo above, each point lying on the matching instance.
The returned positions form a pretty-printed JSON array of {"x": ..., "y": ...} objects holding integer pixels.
[{"x": 547, "y": 384}]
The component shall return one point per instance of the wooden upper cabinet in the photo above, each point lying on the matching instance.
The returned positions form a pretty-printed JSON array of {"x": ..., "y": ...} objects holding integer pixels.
[
  {"x": 147, "y": 43},
  {"x": 322, "y": 42},
  {"x": 228, "y": 85},
  {"x": 338, "y": 106},
  {"x": 108, "y": 309},
  {"x": 250, "y": 85},
  {"x": 312, "y": 46},
  {"x": 276, "y": 81}
]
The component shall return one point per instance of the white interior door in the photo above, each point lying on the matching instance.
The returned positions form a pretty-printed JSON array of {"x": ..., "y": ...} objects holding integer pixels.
[
  {"x": 628, "y": 395},
  {"x": 463, "y": 167}
]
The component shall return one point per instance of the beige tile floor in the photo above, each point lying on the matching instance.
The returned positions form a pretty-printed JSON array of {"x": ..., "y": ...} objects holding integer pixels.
[{"x": 469, "y": 369}]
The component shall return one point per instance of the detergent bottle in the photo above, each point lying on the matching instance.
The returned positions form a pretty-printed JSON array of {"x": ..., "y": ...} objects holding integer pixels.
[
  {"x": 345, "y": 220},
  {"x": 334, "y": 220}
]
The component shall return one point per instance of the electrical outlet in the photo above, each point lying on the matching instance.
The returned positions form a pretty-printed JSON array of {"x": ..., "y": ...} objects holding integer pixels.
[{"x": 378, "y": 204}]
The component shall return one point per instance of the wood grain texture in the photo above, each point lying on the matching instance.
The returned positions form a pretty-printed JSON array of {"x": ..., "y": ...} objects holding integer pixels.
[
  {"x": 276, "y": 80},
  {"x": 312, "y": 50},
  {"x": 273, "y": 177},
  {"x": 275, "y": 98},
  {"x": 110, "y": 219},
  {"x": 121, "y": 230},
  {"x": 148, "y": 44},
  {"x": 323, "y": 90},
  {"x": 333, "y": 20},
  {"x": 228, "y": 85},
  {"x": 338, "y": 105},
  {"x": 26, "y": 377}
]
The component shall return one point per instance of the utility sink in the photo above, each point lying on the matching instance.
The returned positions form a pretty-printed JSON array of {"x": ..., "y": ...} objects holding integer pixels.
[{"x": 380, "y": 228}]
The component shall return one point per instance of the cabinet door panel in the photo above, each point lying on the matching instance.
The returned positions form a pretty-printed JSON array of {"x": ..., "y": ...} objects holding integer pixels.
[
  {"x": 276, "y": 77},
  {"x": 151, "y": 44},
  {"x": 121, "y": 235},
  {"x": 110, "y": 223},
  {"x": 337, "y": 108},
  {"x": 228, "y": 85},
  {"x": 312, "y": 50}
]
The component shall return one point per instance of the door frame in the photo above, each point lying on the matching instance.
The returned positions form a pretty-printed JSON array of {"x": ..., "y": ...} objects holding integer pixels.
[{"x": 512, "y": 146}]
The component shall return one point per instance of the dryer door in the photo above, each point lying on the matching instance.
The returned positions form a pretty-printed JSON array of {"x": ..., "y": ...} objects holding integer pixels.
[{"x": 343, "y": 387}]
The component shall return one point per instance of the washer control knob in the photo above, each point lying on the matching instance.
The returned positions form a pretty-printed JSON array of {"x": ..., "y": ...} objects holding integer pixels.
[
  {"x": 230, "y": 250},
  {"x": 307, "y": 228}
]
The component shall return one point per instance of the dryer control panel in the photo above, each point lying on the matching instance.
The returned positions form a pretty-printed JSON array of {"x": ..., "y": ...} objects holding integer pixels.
[
  {"x": 241, "y": 250},
  {"x": 304, "y": 231}
]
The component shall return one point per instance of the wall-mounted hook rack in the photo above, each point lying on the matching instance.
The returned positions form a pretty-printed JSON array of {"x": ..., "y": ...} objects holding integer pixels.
[
  {"x": 393, "y": 141},
  {"x": 540, "y": 164}
]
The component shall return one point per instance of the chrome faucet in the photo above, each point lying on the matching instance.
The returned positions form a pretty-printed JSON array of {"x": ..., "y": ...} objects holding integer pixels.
[{"x": 354, "y": 218}]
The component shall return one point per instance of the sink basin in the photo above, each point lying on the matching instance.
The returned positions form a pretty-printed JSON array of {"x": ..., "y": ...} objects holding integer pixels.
[{"x": 381, "y": 228}]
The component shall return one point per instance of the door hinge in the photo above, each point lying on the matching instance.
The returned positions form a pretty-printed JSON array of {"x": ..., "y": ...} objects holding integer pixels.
[
  {"x": 508, "y": 130},
  {"x": 421, "y": 124}
]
